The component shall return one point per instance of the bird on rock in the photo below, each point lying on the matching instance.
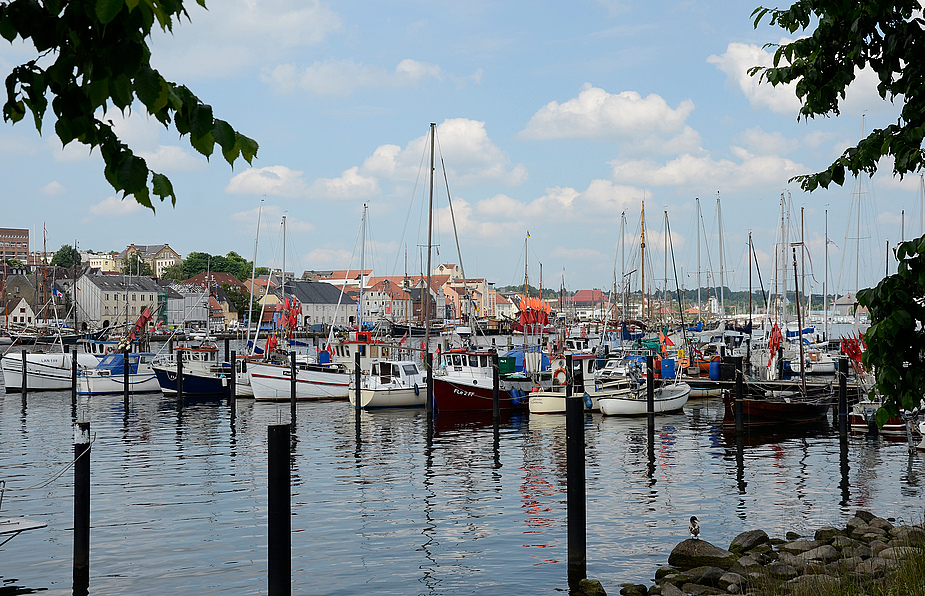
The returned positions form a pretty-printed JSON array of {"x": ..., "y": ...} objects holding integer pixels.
[{"x": 694, "y": 527}]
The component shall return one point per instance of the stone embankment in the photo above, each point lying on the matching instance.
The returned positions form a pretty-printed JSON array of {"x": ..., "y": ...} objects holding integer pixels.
[{"x": 865, "y": 551}]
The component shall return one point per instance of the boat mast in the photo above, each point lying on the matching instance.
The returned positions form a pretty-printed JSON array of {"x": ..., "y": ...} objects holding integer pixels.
[
  {"x": 665, "y": 287},
  {"x": 825, "y": 282},
  {"x": 624, "y": 284},
  {"x": 430, "y": 227},
  {"x": 800, "y": 323},
  {"x": 250, "y": 306},
  {"x": 719, "y": 225},
  {"x": 809, "y": 300},
  {"x": 284, "y": 259},
  {"x": 642, "y": 252},
  {"x": 699, "y": 303},
  {"x": 363, "y": 267}
]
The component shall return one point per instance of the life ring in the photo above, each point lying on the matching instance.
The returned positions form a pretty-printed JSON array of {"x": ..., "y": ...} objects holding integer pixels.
[
  {"x": 109, "y": 349},
  {"x": 536, "y": 389},
  {"x": 555, "y": 377}
]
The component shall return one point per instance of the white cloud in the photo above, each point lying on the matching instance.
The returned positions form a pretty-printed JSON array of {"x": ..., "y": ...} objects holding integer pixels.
[
  {"x": 237, "y": 35},
  {"x": 115, "y": 206},
  {"x": 343, "y": 77},
  {"x": 269, "y": 213},
  {"x": 272, "y": 180},
  {"x": 597, "y": 114},
  {"x": 350, "y": 185},
  {"x": 171, "y": 158},
  {"x": 53, "y": 188},
  {"x": 735, "y": 62},
  {"x": 760, "y": 142},
  {"x": 703, "y": 170},
  {"x": 471, "y": 157}
]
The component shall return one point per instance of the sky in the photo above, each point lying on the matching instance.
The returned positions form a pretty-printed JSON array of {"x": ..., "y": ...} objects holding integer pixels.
[{"x": 553, "y": 120}]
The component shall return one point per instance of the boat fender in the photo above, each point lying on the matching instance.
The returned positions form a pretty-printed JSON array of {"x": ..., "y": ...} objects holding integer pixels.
[
  {"x": 588, "y": 402},
  {"x": 417, "y": 390},
  {"x": 516, "y": 396}
]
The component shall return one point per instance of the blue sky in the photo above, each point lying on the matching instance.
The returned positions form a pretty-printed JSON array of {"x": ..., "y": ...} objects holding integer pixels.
[{"x": 553, "y": 118}]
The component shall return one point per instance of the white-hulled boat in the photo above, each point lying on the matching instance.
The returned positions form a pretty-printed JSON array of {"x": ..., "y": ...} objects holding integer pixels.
[
  {"x": 392, "y": 384},
  {"x": 203, "y": 373},
  {"x": 46, "y": 371},
  {"x": 816, "y": 362},
  {"x": 109, "y": 375},
  {"x": 668, "y": 398},
  {"x": 272, "y": 382}
]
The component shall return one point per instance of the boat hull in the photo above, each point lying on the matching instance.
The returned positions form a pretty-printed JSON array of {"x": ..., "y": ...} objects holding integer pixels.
[
  {"x": 101, "y": 384},
  {"x": 272, "y": 383},
  {"x": 193, "y": 383},
  {"x": 777, "y": 411},
  {"x": 668, "y": 398},
  {"x": 399, "y": 397},
  {"x": 46, "y": 372},
  {"x": 452, "y": 395}
]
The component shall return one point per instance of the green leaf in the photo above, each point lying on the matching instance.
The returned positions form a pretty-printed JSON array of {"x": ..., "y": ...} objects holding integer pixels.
[
  {"x": 163, "y": 187},
  {"x": 106, "y": 10},
  {"x": 248, "y": 147},
  {"x": 133, "y": 174},
  {"x": 151, "y": 89},
  {"x": 204, "y": 144}
]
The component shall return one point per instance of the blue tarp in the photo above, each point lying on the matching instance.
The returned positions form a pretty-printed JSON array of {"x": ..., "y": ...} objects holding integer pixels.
[
  {"x": 518, "y": 354},
  {"x": 806, "y": 331}
]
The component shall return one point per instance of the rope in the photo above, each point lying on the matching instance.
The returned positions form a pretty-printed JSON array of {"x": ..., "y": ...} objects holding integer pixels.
[{"x": 54, "y": 476}]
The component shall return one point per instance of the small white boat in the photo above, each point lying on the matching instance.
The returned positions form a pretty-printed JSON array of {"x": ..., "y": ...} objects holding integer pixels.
[
  {"x": 46, "y": 371},
  {"x": 816, "y": 362},
  {"x": 109, "y": 375},
  {"x": 392, "y": 384},
  {"x": 272, "y": 382},
  {"x": 668, "y": 398},
  {"x": 552, "y": 401}
]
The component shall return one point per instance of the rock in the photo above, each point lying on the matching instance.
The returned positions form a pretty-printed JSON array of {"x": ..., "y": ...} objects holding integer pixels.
[
  {"x": 874, "y": 567},
  {"x": 873, "y": 533},
  {"x": 655, "y": 590},
  {"x": 671, "y": 590},
  {"x": 794, "y": 561},
  {"x": 781, "y": 570},
  {"x": 699, "y": 590},
  {"x": 880, "y": 523},
  {"x": 841, "y": 542},
  {"x": 816, "y": 568},
  {"x": 799, "y": 546},
  {"x": 861, "y": 551},
  {"x": 824, "y": 553},
  {"x": 779, "y": 541},
  {"x": 844, "y": 566},
  {"x": 908, "y": 536},
  {"x": 625, "y": 589},
  {"x": 592, "y": 587},
  {"x": 791, "y": 536},
  {"x": 898, "y": 552},
  {"x": 748, "y": 540},
  {"x": 696, "y": 553},
  {"x": 734, "y": 588},
  {"x": 828, "y": 534},
  {"x": 729, "y": 579},
  {"x": 864, "y": 515},
  {"x": 745, "y": 565},
  {"x": 663, "y": 571},
  {"x": 812, "y": 584},
  {"x": 856, "y": 525},
  {"x": 877, "y": 546}
]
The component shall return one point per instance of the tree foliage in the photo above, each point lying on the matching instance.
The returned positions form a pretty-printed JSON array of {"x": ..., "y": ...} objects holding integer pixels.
[
  {"x": 886, "y": 37},
  {"x": 241, "y": 300},
  {"x": 135, "y": 265},
  {"x": 93, "y": 55},
  {"x": 67, "y": 256},
  {"x": 895, "y": 339},
  {"x": 233, "y": 263}
]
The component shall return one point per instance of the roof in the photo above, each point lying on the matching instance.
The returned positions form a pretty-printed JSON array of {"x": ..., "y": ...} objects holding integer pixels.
[
  {"x": 121, "y": 283},
  {"x": 316, "y": 292},
  {"x": 216, "y": 278},
  {"x": 14, "y": 304},
  {"x": 145, "y": 249}
]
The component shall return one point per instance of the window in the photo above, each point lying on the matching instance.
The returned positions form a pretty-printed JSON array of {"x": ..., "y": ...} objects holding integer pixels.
[
  {"x": 133, "y": 298},
  {"x": 107, "y": 296}
]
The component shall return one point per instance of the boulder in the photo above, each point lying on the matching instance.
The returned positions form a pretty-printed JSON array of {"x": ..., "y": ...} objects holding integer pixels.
[
  {"x": 781, "y": 570},
  {"x": 908, "y": 536},
  {"x": 663, "y": 571},
  {"x": 791, "y": 536},
  {"x": 876, "y": 546},
  {"x": 859, "y": 550},
  {"x": 812, "y": 584},
  {"x": 828, "y": 534},
  {"x": 899, "y": 552},
  {"x": 881, "y": 524},
  {"x": 699, "y": 590},
  {"x": 745, "y": 565},
  {"x": 592, "y": 587},
  {"x": 625, "y": 589},
  {"x": 671, "y": 590},
  {"x": 799, "y": 546},
  {"x": 864, "y": 515},
  {"x": 824, "y": 553},
  {"x": 729, "y": 579},
  {"x": 841, "y": 542},
  {"x": 697, "y": 553},
  {"x": 748, "y": 540}
]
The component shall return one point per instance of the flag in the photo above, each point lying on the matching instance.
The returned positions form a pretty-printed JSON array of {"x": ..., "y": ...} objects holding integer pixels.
[
  {"x": 404, "y": 337},
  {"x": 830, "y": 241},
  {"x": 528, "y": 233},
  {"x": 57, "y": 293}
]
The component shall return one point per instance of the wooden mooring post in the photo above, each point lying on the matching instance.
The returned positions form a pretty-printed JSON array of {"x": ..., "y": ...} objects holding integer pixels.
[
  {"x": 740, "y": 395},
  {"x": 81, "y": 566},
  {"x": 279, "y": 523},
  {"x": 495, "y": 389},
  {"x": 843, "y": 396},
  {"x": 293, "y": 379},
  {"x": 73, "y": 378},
  {"x": 25, "y": 376},
  {"x": 233, "y": 383},
  {"x": 575, "y": 480}
]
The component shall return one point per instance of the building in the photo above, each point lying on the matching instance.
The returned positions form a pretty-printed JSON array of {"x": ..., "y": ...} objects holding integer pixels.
[
  {"x": 321, "y": 303},
  {"x": 386, "y": 300},
  {"x": 14, "y": 244},
  {"x": 16, "y": 313},
  {"x": 103, "y": 262},
  {"x": 216, "y": 279},
  {"x": 113, "y": 300},
  {"x": 158, "y": 256}
]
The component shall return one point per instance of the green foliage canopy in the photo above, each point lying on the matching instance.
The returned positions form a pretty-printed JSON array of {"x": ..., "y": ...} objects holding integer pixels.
[
  {"x": 886, "y": 37},
  {"x": 67, "y": 256},
  {"x": 896, "y": 337},
  {"x": 233, "y": 263},
  {"x": 93, "y": 55},
  {"x": 135, "y": 265}
]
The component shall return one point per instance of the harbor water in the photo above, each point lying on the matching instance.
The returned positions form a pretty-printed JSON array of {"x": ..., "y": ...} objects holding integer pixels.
[{"x": 179, "y": 495}]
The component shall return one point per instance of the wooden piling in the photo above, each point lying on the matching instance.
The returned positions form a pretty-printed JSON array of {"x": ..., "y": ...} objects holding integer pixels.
[
  {"x": 843, "y": 396},
  {"x": 25, "y": 376},
  {"x": 650, "y": 390},
  {"x": 575, "y": 480},
  {"x": 357, "y": 380},
  {"x": 293, "y": 379},
  {"x": 495, "y": 388},
  {"x": 180, "y": 377},
  {"x": 81, "y": 567},
  {"x": 429, "y": 400},
  {"x": 279, "y": 524},
  {"x": 73, "y": 378},
  {"x": 233, "y": 382},
  {"x": 125, "y": 371},
  {"x": 740, "y": 395}
]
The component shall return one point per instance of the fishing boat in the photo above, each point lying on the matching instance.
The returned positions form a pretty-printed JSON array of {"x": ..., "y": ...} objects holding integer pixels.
[
  {"x": 392, "y": 384},
  {"x": 46, "y": 371},
  {"x": 780, "y": 409},
  {"x": 109, "y": 375},
  {"x": 203, "y": 373},
  {"x": 273, "y": 382},
  {"x": 463, "y": 382}
]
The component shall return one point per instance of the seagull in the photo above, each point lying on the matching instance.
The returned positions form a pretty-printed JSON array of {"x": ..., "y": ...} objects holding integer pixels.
[{"x": 694, "y": 527}]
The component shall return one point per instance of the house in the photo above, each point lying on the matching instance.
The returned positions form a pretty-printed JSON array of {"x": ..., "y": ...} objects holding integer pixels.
[
  {"x": 158, "y": 256},
  {"x": 111, "y": 300},
  {"x": 504, "y": 308},
  {"x": 260, "y": 285},
  {"x": 104, "y": 262},
  {"x": 348, "y": 279},
  {"x": 216, "y": 279},
  {"x": 386, "y": 300},
  {"x": 17, "y": 313},
  {"x": 321, "y": 303}
]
